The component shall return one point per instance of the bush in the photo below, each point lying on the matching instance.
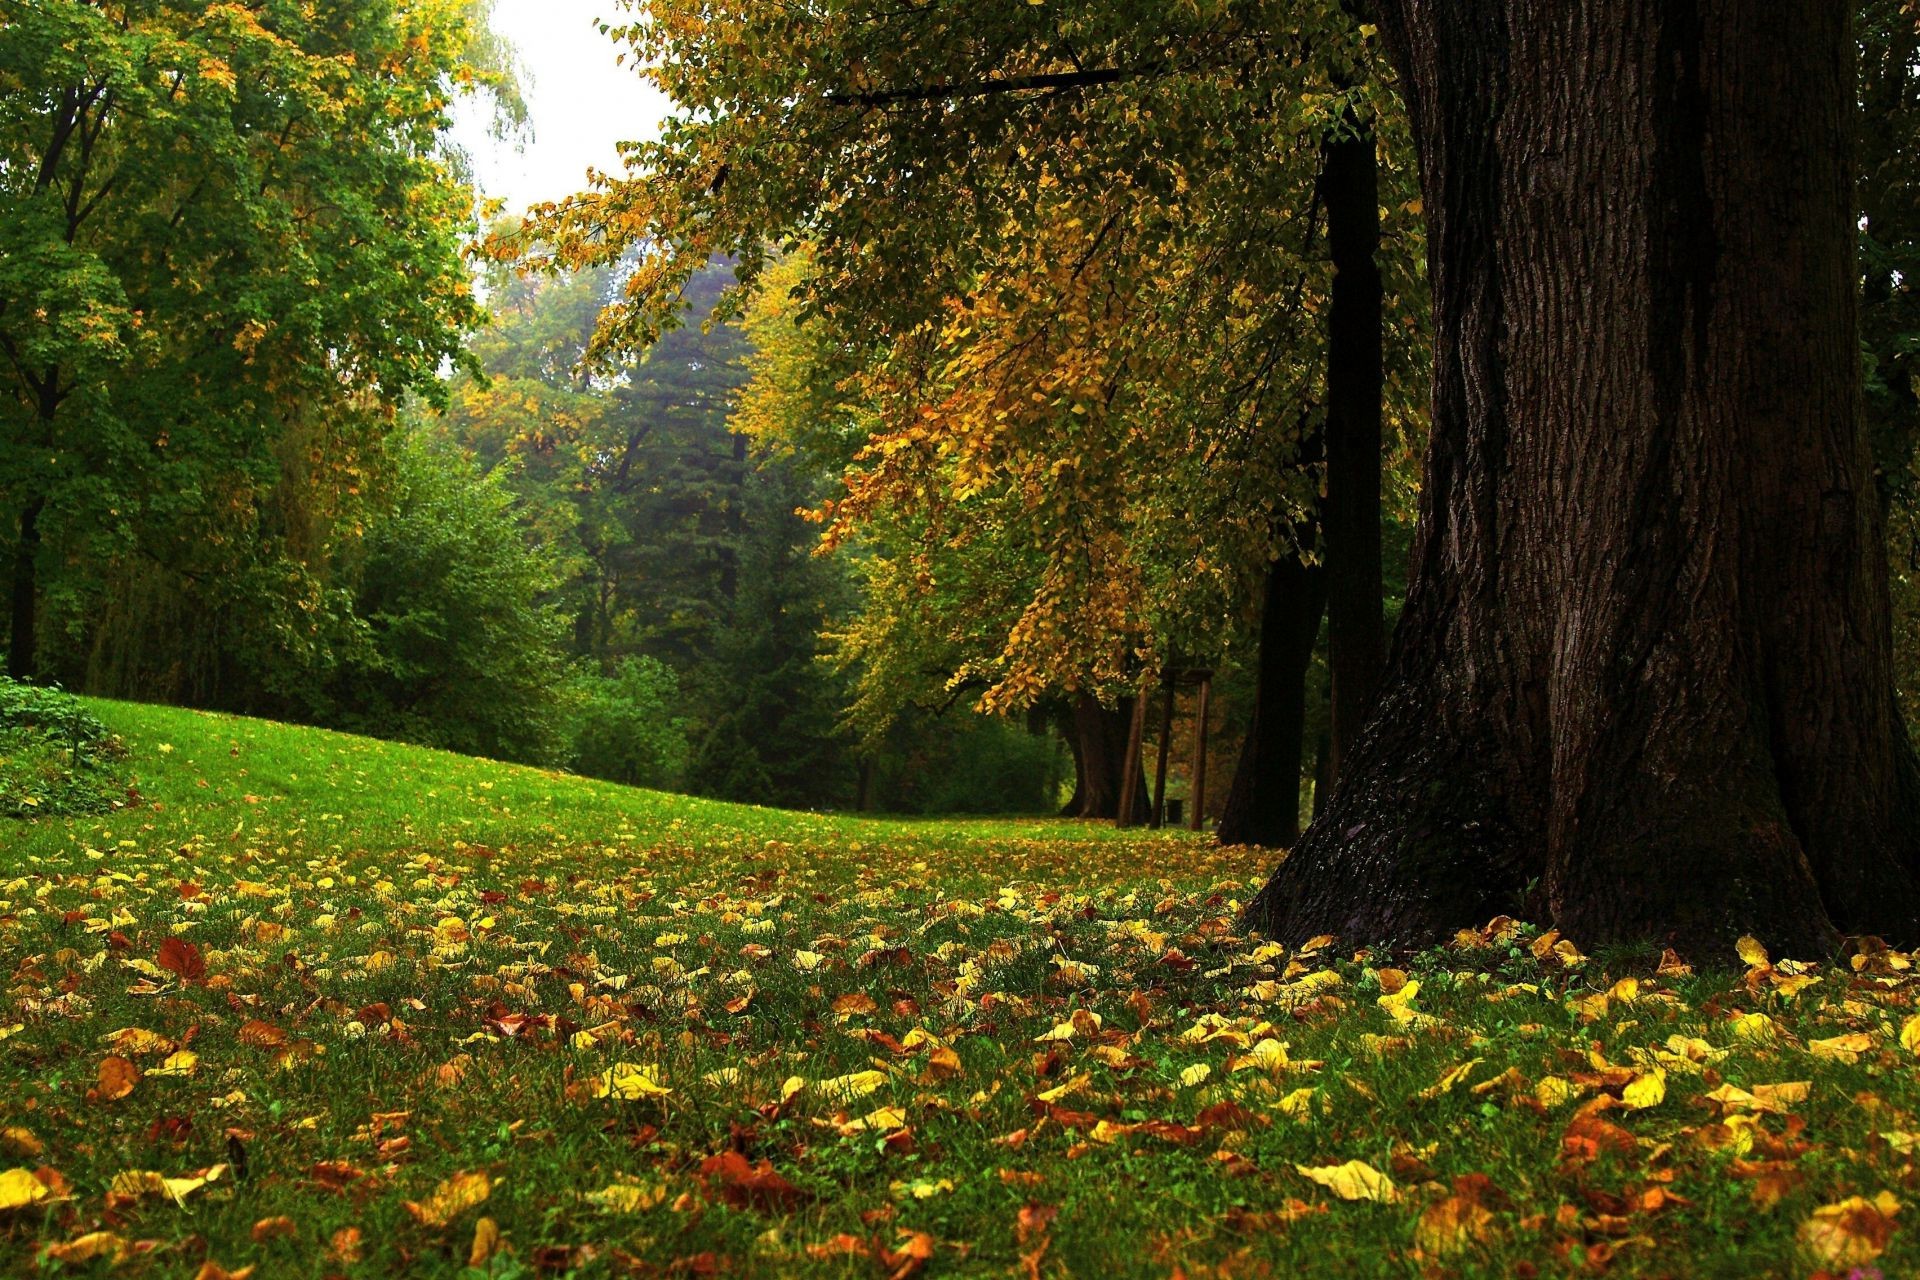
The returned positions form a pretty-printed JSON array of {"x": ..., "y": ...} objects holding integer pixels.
[
  {"x": 624, "y": 726},
  {"x": 458, "y": 651},
  {"x": 969, "y": 764},
  {"x": 55, "y": 756}
]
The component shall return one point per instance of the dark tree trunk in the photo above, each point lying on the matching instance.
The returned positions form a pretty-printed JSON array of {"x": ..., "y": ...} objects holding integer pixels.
[
  {"x": 1100, "y": 752},
  {"x": 1263, "y": 802},
  {"x": 1356, "y": 614},
  {"x": 1645, "y": 656},
  {"x": 23, "y": 640}
]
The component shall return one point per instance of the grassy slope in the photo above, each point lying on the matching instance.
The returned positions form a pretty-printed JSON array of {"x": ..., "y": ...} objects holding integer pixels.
[{"x": 403, "y": 948}]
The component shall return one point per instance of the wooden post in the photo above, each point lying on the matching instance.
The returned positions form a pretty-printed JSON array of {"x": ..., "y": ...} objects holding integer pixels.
[
  {"x": 1166, "y": 741},
  {"x": 1199, "y": 797},
  {"x": 1130, "y": 767}
]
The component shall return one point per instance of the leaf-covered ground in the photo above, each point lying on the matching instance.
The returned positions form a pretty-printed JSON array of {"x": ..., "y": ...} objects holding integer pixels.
[{"x": 323, "y": 1006}]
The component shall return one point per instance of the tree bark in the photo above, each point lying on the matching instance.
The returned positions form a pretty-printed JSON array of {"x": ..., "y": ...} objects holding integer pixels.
[
  {"x": 1642, "y": 683},
  {"x": 1100, "y": 735},
  {"x": 1356, "y": 612},
  {"x": 1263, "y": 801},
  {"x": 23, "y": 638}
]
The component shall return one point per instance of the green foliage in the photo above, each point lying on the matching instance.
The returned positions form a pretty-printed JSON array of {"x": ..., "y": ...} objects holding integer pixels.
[
  {"x": 773, "y": 736},
  {"x": 229, "y": 246},
  {"x": 56, "y": 757},
  {"x": 455, "y": 648},
  {"x": 967, "y": 764},
  {"x": 627, "y": 726}
]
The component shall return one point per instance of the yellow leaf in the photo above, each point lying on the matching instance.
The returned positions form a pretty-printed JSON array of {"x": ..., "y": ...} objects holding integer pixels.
[
  {"x": 1846, "y": 1048},
  {"x": 807, "y": 961},
  {"x": 1852, "y": 1232},
  {"x": 922, "y": 1188},
  {"x": 878, "y": 1118},
  {"x": 452, "y": 1198},
  {"x": 1554, "y": 1091},
  {"x": 1297, "y": 1105},
  {"x": 628, "y": 1197},
  {"x": 1195, "y": 1074},
  {"x": 1752, "y": 953},
  {"x": 84, "y": 1249},
  {"x": 1266, "y": 1055},
  {"x": 1445, "y": 1083},
  {"x": 1354, "y": 1180},
  {"x": 856, "y": 1084},
  {"x": 1751, "y": 1026},
  {"x": 486, "y": 1242},
  {"x": 1910, "y": 1034},
  {"x": 1648, "y": 1090},
  {"x": 793, "y": 1085},
  {"x": 19, "y": 1188},
  {"x": 1399, "y": 1005},
  {"x": 629, "y": 1082},
  {"x": 179, "y": 1063},
  {"x": 144, "y": 1182}
]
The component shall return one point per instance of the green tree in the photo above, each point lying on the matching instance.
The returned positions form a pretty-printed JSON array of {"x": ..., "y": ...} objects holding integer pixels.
[
  {"x": 221, "y": 226},
  {"x": 455, "y": 648}
]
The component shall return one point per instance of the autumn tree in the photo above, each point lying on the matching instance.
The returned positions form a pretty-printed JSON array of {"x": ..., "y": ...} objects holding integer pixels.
[
  {"x": 1088, "y": 326},
  {"x": 1641, "y": 685}
]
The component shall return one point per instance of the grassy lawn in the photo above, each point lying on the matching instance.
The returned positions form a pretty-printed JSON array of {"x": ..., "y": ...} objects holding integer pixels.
[{"x": 327, "y": 1006}]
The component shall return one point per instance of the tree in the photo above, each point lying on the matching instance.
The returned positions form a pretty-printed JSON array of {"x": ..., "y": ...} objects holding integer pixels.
[
  {"x": 458, "y": 650},
  {"x": 227, "y": 233},
  {"x": 1110, "y": 377},
  {"x": 1641, "y": 684}
]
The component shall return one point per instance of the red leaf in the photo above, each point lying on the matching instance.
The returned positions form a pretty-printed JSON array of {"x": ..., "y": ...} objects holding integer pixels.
[{"x": 179, "y": 956}]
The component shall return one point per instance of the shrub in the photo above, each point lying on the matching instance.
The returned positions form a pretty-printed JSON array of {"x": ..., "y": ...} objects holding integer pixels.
[
  {"x": 459, "y": 649},
  {"x": 55, "y": 755},
  {"x": 624, "y": 727}
]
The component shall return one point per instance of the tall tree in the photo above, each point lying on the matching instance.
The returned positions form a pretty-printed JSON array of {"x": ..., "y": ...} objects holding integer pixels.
[
  {"x": 1643, "y": 665},
  {"x": 223, "y": 229}
]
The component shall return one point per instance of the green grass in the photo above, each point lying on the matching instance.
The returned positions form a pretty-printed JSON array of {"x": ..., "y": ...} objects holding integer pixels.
[{"x": 417, "y": 965}]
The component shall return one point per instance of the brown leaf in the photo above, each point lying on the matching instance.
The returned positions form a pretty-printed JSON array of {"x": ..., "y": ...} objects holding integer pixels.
[
  {"x": 743, "y": 1185},
  {"x": 261, "y": 1035},
  {"x": 181, "y": 957},
  {"x": 274, "y": 1229}
]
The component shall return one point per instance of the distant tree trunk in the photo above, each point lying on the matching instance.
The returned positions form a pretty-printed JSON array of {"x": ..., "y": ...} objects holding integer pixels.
[
  {"x": 23, "y": 640},
  {"x": 1356, "y": 613},
  {"x": 1645, "y": 655},
  {"x": 1263, "y": 802},
  {"x": 1100, "y": 751}
]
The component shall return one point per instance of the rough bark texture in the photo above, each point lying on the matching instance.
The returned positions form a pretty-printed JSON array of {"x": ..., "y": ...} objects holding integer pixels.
[
  {"x": 23, "y": 637},
  {"x": 1644, "y": 664},
  {"x": 1356, "y": 615},
  {"x": 1263, "y": 802},
  {"x": 1100, "y": 750}
]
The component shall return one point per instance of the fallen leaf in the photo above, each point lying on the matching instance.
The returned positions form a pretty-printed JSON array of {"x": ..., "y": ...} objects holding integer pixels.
[
  {"x": 629, "y": 1082},
  {"x": 1354, "y": 1180},
  {"x": 19, "y": 1189},
  {"x": 1854, "y": 1231},
  {"x": 452, "y": 1198}
]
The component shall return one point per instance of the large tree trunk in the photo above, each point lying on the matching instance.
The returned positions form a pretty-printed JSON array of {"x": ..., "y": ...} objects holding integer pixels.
[
  {"x": 1356, "y": 616},
  {"x": 1645, "y": 655},
  {"x": 1099, "y": 758},
  {"x": 1263, "y": 802},
  {"x": 23, "y": 638}
]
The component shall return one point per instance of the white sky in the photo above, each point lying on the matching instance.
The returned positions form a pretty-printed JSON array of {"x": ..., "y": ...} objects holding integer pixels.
[{"x": 580, "y": 102}]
